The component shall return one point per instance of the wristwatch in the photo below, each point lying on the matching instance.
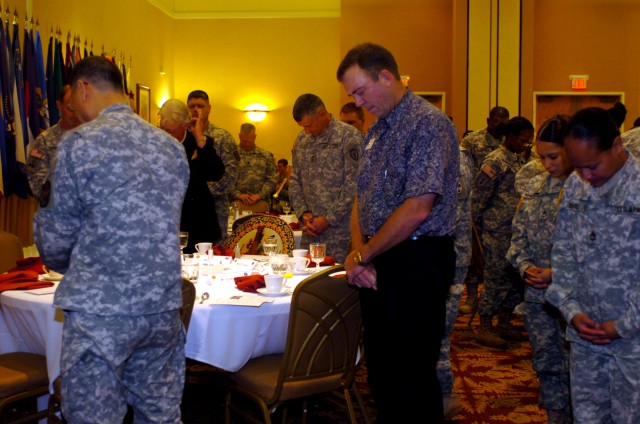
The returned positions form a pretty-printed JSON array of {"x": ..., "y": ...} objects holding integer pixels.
[{"x": 357, "y": 258}]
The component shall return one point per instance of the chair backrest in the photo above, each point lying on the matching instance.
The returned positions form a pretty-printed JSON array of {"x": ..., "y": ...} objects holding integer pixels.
[
  {"x": 11, "y": 250},
  {"x": 260, "y": 206},
  {"x": 252, "y": 229},
  {"x": 325, "y": 330},
  {"x": 188, "y": 300}
]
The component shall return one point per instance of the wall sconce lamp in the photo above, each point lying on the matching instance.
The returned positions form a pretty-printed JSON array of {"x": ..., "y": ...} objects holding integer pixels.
[
  {"x": 256, "y": 112},
  {"x": 405, "y": 80}
]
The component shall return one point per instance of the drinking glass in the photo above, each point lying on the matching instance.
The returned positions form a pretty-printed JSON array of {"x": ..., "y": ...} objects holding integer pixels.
[
  {"x": 184, "y": 240},
  {"x": 317, "y": 252},
  {"x": 286, "y": 208},
  {"x": 270, "y": 246}
]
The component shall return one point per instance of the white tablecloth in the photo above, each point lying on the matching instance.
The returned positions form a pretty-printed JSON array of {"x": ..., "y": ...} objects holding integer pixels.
[{"x": 224, "y": 336}]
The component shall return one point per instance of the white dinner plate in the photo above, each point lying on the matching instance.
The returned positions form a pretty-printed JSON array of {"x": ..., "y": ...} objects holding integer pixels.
[{"x": 263, "y": 291}]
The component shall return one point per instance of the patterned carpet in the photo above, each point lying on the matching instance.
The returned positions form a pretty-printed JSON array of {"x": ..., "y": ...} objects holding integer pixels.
[{"x": 493, "y": 386}]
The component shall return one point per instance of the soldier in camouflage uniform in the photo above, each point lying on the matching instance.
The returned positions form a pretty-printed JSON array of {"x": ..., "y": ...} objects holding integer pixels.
[
  {"x": 227, "y": 149},
  {"x": 493, "y": 204},
  {"x": 110, "y": 225},
  {"x": 43, "y": 149},
  {"x": 529, "y": 170},
  {"x": 596, "y": 269},
  {"x": 323, "y": 181},
  {"x": 257, "y": 171},
  {"x": 480, "y": 143},
  {"x": 631, "y": 141},
  {"x": 530, "y": 254},
  {"x": 462, "y": 245}
]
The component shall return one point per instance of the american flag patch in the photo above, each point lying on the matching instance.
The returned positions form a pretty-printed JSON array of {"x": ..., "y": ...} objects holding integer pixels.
[{"x": 489, "y": 171}]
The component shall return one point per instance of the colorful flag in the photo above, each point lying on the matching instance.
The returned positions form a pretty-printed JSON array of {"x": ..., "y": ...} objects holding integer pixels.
[
  {"x": 41, "y": 84},
  {"x": 31, "y": 105},
  {"x": 51, "y": 94}
]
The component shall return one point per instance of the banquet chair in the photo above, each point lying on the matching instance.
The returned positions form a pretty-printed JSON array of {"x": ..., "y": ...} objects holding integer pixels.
[
  {"x": 23, "y": 375},
  {"x": 11, "y": 251},
  {"x": 324, "y": 333},
  {"x": 261, "y": 206},
  {"x": 249, "y": 231},
  {"x": 54, "y": 413}
]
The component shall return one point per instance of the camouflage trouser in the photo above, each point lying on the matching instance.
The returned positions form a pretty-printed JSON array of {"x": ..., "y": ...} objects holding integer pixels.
[
  {"x": 605, "y": 387},
  {"x": 222, "y": 210},
  {"x": 503, "y": 289},
  {"x": 443, "y": 367},
  {"x": 550, "y": 357},
  {"x": 111, "y": 361}
]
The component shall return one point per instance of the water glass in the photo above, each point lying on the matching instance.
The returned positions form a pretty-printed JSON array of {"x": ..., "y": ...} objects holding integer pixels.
[{"x": 270, "y": 246}]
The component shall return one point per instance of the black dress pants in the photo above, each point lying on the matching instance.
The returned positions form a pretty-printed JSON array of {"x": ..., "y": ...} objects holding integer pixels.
[{"x": 404, "y": 315}]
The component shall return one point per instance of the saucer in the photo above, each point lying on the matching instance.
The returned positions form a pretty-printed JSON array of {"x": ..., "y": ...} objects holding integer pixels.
[
  {"x": 303, "y": 272},
  {"x": 263, "y": 291},
  {"x": 51, "y": 276}
]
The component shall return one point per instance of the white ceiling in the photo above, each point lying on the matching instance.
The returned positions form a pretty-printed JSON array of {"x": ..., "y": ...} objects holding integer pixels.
[{"x": 225, "y": 9}]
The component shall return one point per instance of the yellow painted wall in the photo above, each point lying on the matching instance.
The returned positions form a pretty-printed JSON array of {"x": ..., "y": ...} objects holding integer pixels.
[
  {"x": 597, "y": 38},
  {"x": 419, "y": 33},
  {"x": 270, "y": 61},
  {"x": 131, "y": 27}
]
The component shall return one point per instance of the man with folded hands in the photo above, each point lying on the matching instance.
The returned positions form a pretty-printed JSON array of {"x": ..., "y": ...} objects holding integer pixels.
[
  {"x": 402, "y": 224},
  {"x": 110, "y": 225},
  {"x": 325, "y": 155}
]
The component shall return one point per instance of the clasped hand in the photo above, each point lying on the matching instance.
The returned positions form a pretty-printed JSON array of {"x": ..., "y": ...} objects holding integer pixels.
[
  {"x": 314, "y": 225},
  {"x": 363, "y": 276},
  {"x": 590, "y": 330}
]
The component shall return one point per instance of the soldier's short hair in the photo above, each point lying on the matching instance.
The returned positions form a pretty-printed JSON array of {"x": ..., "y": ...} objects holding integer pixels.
[
  {"x": 305, "y": 105},
  {"x": 99, "y": 71},
  {"x": 198, "y": 94}
]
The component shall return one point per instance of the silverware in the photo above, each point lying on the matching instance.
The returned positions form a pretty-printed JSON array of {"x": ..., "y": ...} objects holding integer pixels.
[{"x": 204, "y": 297}]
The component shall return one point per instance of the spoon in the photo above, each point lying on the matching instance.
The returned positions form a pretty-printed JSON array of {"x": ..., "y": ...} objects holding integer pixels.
[{"x": 204, "y": 297}]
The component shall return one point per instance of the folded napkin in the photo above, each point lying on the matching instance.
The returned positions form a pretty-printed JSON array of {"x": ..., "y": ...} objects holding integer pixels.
[
  {"x": 33, "y": 263},
  {"x": 22, "y": 280},
  {"x": 328, "y": 261},
  {"x": 250, "y": 283},
  {"x": 294, "y": 225},
  {"x": 220, "y": 250}
]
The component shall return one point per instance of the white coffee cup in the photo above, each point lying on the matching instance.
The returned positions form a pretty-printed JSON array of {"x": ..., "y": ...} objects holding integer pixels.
[
  {"x": 203, "y": 247},
  {"x": 299, "y": 263},
  {"x": 300, "y": 252},
  {"x": 274, "y": 282}
]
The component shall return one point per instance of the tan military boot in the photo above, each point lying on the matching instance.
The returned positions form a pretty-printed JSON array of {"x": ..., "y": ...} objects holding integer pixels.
[
  {"x": 471, "y": 303},
  {"x": 487, "y": 336}
]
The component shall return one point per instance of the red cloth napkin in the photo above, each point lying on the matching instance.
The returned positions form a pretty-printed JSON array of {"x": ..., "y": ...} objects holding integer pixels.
[
  {"x": 21, "y": 280},
  {"x": 250, "y": 283},
  {"x": 328, "y": 261},
  {"x": 33, "y": 263},
  {"x": 294, "y": 225},
  {"x": 220, "y": 250}
]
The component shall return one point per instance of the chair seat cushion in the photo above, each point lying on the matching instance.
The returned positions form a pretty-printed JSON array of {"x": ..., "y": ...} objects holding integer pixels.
[
  {"x": 260, "y": 376},
  {"x": 22, "y": 371}
]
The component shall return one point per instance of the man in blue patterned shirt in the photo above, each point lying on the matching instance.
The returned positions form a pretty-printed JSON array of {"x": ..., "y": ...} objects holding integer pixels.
[{"x": 402, "y": 224}]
